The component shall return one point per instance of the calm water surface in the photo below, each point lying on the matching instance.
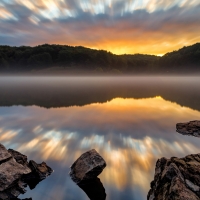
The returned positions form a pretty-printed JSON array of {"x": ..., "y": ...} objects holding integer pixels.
[{"x": 130, "y": 121}]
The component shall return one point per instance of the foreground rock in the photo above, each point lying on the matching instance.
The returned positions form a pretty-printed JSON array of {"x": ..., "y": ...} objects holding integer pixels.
[
  {"x": 189, "y": 128},
  {"x": 88, "y": 166},
  {"x": 176, "y": 179},
  {"x": 16, "y": 173},
  {"x": 84, "y": 173}
]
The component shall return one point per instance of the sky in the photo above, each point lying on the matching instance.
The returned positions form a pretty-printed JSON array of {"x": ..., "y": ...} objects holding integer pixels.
[{"x": 119, "y": 26}]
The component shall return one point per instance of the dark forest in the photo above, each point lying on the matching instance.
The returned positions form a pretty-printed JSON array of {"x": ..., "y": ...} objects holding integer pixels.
[{"x": 31, "y": 59}]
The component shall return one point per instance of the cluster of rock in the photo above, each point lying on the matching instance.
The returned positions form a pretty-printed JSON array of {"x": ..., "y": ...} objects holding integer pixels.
[
  {"x": 84, "y": 172},
  {"x": 191, "y": 128},
  {"x": 16, "y": 173},
  {"x": 178, "y": 178}
]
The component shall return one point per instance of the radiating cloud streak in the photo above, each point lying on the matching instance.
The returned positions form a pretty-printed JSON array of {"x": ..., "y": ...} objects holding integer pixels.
[{"x": 120, "y": 26}]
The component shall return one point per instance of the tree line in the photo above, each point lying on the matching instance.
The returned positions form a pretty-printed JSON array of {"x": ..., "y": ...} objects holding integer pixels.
[{"x": 26, "y": 58}]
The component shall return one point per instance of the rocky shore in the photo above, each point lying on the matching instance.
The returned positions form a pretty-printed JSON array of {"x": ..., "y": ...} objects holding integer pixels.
[
  {"x": 16, "y": 173},
  {"x": 178, "y": 178}
]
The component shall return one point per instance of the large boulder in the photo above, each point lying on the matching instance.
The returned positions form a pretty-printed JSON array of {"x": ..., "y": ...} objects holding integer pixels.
[
  {"x": 10, "y": 171},
  {"x": 16, "y": 173},
  {"x": 191, "y": 128},
  {"x": 88, "y": 166},
  {"x": 176, "y": 179}
]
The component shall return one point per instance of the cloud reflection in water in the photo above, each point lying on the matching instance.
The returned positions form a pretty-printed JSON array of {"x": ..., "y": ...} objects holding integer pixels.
[{"x": 131, "y": 134}]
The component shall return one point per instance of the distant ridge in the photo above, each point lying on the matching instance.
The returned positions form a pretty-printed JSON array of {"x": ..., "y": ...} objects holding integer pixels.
[{"x": 81, "y": 59}]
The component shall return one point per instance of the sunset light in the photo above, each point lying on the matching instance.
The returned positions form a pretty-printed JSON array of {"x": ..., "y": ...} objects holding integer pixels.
[
  {"x": 118, "y": 26},
  {"x": 99, "y": 99}
]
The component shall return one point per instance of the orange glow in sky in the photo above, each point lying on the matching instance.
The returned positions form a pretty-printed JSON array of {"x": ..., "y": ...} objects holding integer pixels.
[{"x": 119, "y": 26}]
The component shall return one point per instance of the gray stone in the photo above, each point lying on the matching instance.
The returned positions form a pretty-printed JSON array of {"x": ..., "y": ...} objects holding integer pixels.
[
  {"x": 191, "y": 128},
  {"x": 176, "y": 179},
  {"x": 11, "y": 171},
  {"x": 192, "y": 186},
  {"x": 20, "y": 158},
  {"x": 40, "y": 170},
  {"x": 16, "y": 173},
  {"x": 88, "y": 166}
]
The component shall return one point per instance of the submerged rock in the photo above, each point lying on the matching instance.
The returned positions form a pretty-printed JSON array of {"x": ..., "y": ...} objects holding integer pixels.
[
  {"x": 84, "y": 173},
  {"x": 176, "y": 179},
  {"x": 94, "y": 189},
  {"x": 16, "y": 173},
  {"x": 189, "y": 128},
  {"x": 88, "y": 166}
]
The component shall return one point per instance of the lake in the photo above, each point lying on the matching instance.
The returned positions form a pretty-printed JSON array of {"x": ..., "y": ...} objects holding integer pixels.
[{"x": 130, "y": 121}]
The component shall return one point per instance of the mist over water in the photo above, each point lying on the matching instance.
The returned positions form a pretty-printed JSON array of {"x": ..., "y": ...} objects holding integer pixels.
[
  {"x": 130, "y": 121},
  {"x": 69, "y": 91}
]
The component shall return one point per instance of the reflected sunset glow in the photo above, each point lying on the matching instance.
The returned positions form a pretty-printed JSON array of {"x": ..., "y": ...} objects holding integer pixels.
[{"x": 131, "y": 134}]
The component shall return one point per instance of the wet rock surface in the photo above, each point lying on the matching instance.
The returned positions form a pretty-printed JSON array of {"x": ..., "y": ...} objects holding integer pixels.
[
  {"x": 191, "y": 128},
  {"x": 88, "y": 166},
  {"x": 176, "y": 179},
  {"x": 84, "y": 173},
  {"x": 16, "y": 173}
]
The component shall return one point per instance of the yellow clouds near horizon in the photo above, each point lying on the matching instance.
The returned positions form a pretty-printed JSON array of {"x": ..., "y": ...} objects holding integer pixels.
[{"x": 120, "y": 26}]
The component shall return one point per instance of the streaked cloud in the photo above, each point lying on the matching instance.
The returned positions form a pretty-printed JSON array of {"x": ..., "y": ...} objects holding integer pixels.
[{"x": 120, "y": 26}]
